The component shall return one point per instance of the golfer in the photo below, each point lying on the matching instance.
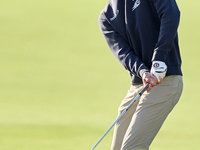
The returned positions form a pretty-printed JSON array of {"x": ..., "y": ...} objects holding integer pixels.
[{"x": 142, "y": 35}]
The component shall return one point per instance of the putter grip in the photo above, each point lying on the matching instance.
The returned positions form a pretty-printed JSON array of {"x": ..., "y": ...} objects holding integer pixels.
[{"x": 144, "y": 89}]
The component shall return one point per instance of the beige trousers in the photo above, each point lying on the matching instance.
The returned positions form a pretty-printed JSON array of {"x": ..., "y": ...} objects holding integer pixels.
[{"x": 140, "y": 124}]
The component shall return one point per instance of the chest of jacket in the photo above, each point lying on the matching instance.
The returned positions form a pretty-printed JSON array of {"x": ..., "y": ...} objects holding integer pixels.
[{"x": 129, "y": 17}]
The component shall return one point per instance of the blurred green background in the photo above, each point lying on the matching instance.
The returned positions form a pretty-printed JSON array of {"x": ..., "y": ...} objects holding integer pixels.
[{"x": 60, "y": 86}]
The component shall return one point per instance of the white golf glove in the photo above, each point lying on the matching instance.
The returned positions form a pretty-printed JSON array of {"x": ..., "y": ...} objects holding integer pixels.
[{"x": 158, "y": 69}]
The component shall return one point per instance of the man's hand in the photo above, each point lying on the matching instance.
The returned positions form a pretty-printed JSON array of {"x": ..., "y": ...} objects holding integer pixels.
[
  {"x": 158, "y": 69},
  {"x": 151, "y": 79}
]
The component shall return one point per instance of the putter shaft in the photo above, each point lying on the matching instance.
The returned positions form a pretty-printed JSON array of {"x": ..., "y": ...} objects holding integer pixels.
[{"x": 143, "y": 90}]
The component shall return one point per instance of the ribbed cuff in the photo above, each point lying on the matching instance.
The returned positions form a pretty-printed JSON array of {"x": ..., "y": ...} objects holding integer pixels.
[
  {"x": 159, "y": 55},
  {"x": 143, "y": 71}
]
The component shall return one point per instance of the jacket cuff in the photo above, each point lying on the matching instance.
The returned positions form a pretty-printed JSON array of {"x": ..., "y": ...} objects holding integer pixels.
[
  {"x": 142, "y": 71},
  {"x": 159, "y": 56}
]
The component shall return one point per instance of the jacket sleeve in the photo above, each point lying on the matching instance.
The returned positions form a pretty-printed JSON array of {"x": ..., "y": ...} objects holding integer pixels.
[
  {"x": 121, "y": 49},
  {"x": 169, "y": 15}
]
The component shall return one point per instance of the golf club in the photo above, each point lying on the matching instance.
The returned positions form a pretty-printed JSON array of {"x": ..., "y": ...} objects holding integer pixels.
[{"x": 141, "y": 92}]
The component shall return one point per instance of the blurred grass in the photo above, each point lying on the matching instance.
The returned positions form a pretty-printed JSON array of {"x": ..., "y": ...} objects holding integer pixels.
[{"x": 60, "y": 86}]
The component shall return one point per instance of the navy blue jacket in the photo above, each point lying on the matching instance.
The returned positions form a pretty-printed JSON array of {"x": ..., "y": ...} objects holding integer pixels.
[{"x": 141, "y": 31}]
